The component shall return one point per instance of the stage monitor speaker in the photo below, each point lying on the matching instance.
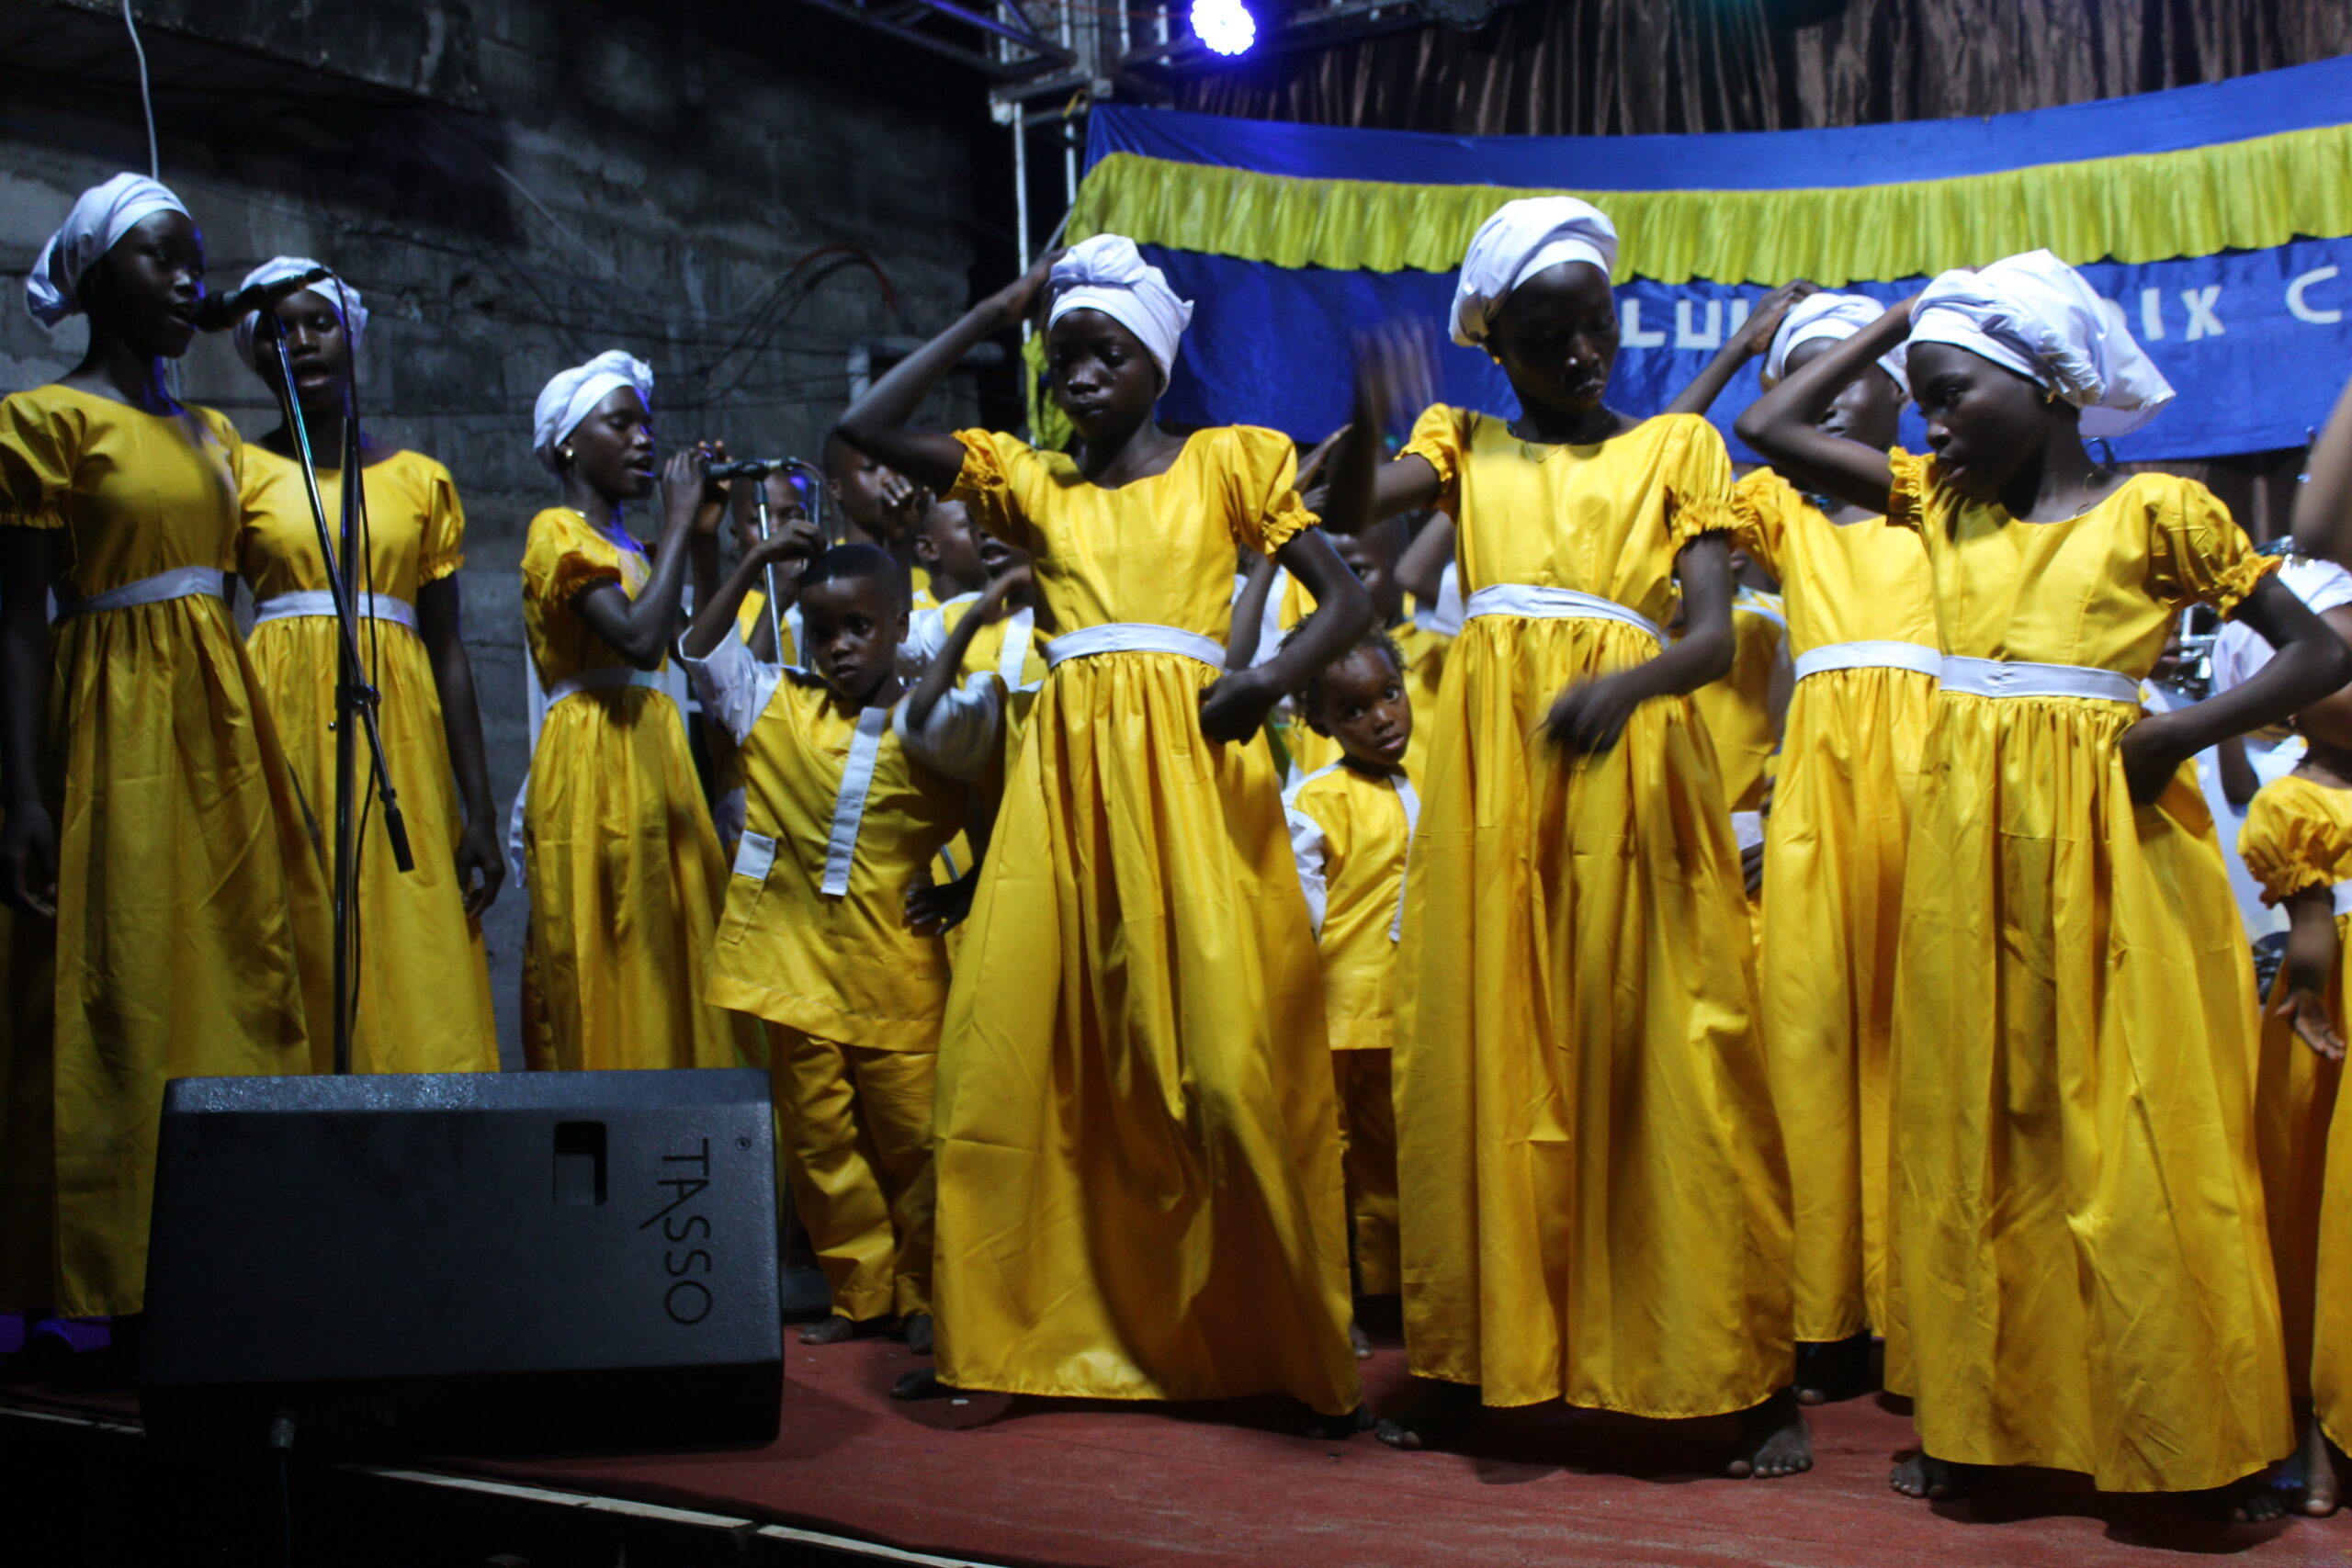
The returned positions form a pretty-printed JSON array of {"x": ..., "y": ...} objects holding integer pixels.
[{"x": 465, "y": 1261}]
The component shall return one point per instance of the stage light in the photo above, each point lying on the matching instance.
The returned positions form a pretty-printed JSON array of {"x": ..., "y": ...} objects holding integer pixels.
[{"x": 1225, "y": 26}]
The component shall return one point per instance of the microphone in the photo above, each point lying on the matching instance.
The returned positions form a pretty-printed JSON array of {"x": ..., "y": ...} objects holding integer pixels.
[
  {"x": 219, "y": 313},
  {"x": 751, "y": 467}
]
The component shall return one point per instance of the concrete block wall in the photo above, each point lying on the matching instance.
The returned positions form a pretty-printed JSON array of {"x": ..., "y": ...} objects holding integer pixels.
[{"x": 545, "y": 179}]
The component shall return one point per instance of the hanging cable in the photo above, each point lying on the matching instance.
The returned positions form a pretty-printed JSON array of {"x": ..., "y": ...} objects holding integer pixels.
[{"x": 146, "y": 94}]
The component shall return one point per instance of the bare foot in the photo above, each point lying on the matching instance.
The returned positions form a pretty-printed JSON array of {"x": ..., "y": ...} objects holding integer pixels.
[
  {"x": 1837, "y": 1370},
  {"x": 921, "y": 1384},
  {"x": 1936, "y": 1480},
  {"x": 1773, "y": 1440},
  {"x": 915, "y": 1328},
  {"x": 1357, "y": 1338},
  {"x": 834, "y": 1330},
  {"x": 1436, "y": 1412},
  {"x": 2252, "y": 1501},
  {"x": 2310, "y": 1472}
]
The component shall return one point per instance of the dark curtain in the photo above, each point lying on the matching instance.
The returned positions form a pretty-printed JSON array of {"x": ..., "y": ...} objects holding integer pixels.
[{"x": 1613, "y": 67}]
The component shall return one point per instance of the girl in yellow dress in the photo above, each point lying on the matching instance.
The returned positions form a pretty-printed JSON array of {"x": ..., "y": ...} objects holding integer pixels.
[
  {"x": 2080, "y": 1276},
  {"x": 422, "y": 994},
  {"x": 620, "y": 860},
  {"x": 168, "y": 917},
  {"x": 1594, "y": 1200},
  {"x": 1862, "y": 630},
  {"x": 1137, "y": 1158}
]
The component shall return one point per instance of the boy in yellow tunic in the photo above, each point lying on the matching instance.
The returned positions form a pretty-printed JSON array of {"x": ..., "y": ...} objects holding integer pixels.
[
  {"x": 1589, "y": 1172},
  {"x": 2081, "y": 1278},
  {"x": 1862, "y": 636},
  {"x": 1350, "y": 822},
  {"x": 167, "y": 918},
  {"x": 623, "y": 865},
  {"x": 422, "y": 984},
  {"x": 1139, "y": 1186},
  {"x": 848, "y": 797}
]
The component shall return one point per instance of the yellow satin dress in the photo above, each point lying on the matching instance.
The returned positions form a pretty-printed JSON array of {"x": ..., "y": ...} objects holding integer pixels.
[
  {"x": 1348, "y": 831},
  {"x": 2082, "y": 1277},
  {"x": 2298, "y": 838},
  {"x": 621, "y": 861},
  {"x": 192, "y": 936},
  {"x": 424, "y": 978},
  {"x": 1138, "y": 1156},
  {"x": 1737, "y": 709},
  {"x": 1834, "y": 849},
  {"x": 1594, "y": 1199}
]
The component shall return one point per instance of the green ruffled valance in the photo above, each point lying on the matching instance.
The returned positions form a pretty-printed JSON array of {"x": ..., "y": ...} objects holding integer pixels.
[{"x": 2152, "y": 206}]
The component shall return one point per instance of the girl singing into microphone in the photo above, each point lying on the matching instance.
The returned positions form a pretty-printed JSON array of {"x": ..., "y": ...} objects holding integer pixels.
[
  {"x": 423, "y": 991},
  {"x": 168, "y": 917}
]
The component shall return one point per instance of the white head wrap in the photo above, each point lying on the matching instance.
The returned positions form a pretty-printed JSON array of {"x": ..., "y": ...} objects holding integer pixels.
[
  {"x": 102, "y": 215},
  {"x": 574, "y": 393},
  {"x": 332, "y": 289},
  {"x": 1522, "y": 239},
  {"x": 1108, "y": 274},
  {"x": 1835, "y": 317},
  {"x": 2034, "y": 314}
]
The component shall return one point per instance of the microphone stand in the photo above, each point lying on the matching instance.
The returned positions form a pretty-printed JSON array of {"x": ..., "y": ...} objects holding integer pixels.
[
  {"x": 757, "y": 470},
  {"x": 353, "y": 696}
]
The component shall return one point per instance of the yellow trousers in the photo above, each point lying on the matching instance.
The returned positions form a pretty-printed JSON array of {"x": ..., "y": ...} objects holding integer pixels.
[
  {"x": 1368, "y": 1160},
  {"x": 856, "y": 1128}
]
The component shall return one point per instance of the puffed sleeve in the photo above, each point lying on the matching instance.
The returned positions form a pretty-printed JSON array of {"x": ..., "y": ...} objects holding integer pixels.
[
  {"x": 2198, "y": 554},
  {"x": 444, "y": 548},
  {"x": 988, "y": 484},
  {"x": 1915, "y": 479},
  {"x": 1440, "y": 437},
  {"x": 1258, "y": 471},
  {"x": 1698, "y": 481},
  {"x": 39, "y": 445},
  {"x": 2290, "y": 848},
  {"x": 1762, "y": 506},
  {"x": 561, "y": 558}
]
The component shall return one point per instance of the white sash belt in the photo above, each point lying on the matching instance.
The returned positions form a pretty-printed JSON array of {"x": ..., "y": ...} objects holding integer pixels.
[
  {"x": 1556, "y": 604},
  {"x": 2006, "y": 677},
  {"x": 609, "y": 676},
  {"x": 314, "y": 602},
  {"x": 1869, "y": 655},
  {"x": 849, "y": 801},
  {"x": 2343, "y": 892},
  {"x": 183, "y": 582},
  {"x": 1134, "y": 637},
  {"x": 1412, "y": 805}
]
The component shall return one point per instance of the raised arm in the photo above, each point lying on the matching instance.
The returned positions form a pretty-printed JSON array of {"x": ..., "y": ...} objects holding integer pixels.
[
  {"x": 787, "y": 549},
  {"x": 876, "y": 424},
  {"x": 1754, "y": 337},
  {"x": 939, "y": 675},
  {"x": 2312, "y": 661},
  {"x": 2323, "y": 505},
  {"x": 1394, "y": 372},
  {"x": 1421, "y": 569},
  {"x": 1781, "y": 424},
  {"x": 641, "y": 629}
]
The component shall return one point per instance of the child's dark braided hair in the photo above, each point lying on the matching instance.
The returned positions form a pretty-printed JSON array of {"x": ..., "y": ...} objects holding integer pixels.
[{"x": 1310, "y": 691}]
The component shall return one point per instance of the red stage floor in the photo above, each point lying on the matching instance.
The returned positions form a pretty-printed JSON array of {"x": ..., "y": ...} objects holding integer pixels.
[{"x": 1011, "y": 1482}]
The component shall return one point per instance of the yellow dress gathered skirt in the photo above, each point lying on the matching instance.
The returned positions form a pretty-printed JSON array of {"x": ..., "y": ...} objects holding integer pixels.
[
  {"x": 192, "y": 936},
  {"x": 2298, "y": 840},
  {"x": 1138, "y": 1151},
  {"x": 423, "y": 1002},
  {"x": 2083, "y": 1279},
  {"x": 621, "y": 863},
  {"x": 1593, "y": 1195},
  {"x": 1834, "y": 850}
]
